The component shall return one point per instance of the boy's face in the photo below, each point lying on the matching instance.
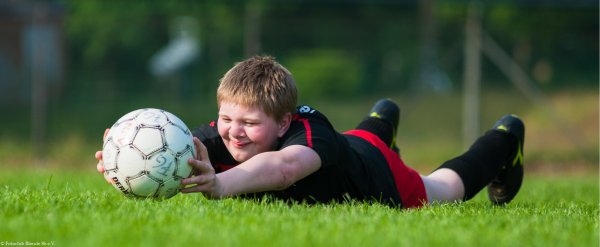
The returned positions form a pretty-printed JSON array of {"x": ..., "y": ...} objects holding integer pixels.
[{"x": 247, "y": 131}]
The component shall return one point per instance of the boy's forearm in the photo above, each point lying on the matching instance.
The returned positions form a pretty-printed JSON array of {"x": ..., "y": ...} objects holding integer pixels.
[
  {"x": 269, "y": 171},
  {"x": 261, "y": 173}
]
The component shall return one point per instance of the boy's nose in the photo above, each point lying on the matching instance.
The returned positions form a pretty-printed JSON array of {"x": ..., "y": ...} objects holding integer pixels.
[{"x": 237, "y": 130}]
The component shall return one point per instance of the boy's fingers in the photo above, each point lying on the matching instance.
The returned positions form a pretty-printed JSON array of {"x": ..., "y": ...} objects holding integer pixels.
[
  {"x": 100, "y": 167},
  {"x": 201, "y": 151},
  {"x": 201, "y": 166},
  {"x": 197, "y": 188},
  {"x": 198, "y": 180},
  {"x": 98, "y": 155},
  {"x": 105, "y": 134}
]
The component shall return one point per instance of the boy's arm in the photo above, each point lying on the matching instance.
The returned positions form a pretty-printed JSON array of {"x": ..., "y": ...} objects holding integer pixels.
[
  {"x": 270, "y": 171},
  {"x": 266, "y": 171}
]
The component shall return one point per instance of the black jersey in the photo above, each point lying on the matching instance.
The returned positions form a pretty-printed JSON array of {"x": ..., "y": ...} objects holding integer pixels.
[{"x": 351, "y": 167}]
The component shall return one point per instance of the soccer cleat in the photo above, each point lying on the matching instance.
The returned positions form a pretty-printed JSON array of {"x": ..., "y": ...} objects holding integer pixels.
[
  {"x": 506, "y": 185},
  {"x": 387, "y": 110}
]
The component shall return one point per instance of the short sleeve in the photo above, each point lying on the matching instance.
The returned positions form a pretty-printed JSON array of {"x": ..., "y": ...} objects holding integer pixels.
[{"x": 312, "y": 129}]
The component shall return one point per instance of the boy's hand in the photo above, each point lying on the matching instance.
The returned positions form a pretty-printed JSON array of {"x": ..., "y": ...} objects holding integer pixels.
[
  {"x": 98, "y": 155},
  {"x": 204, "y": 179}
]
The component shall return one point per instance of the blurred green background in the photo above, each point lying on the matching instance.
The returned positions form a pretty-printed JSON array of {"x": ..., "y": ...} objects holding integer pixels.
[{"x": 69, "y": 69}]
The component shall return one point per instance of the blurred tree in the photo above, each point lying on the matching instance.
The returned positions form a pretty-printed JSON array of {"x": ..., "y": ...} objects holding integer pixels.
[
  {"x": 325, "y": 74},
  {"x": 563, "y": 37},
  {"x": 344, "y": 48},
  {"x": 110, "y": 42}
]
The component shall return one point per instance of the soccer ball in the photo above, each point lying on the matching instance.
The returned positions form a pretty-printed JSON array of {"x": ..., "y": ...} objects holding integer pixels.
[{"x": 145, "y": 153}]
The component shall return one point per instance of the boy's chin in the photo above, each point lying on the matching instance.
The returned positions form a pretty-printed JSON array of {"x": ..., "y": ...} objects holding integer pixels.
[{"x": 242, "y": 156}]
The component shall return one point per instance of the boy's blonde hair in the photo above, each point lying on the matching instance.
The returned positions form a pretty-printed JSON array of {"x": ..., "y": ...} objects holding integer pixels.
[{"x": 260, "y": 82}]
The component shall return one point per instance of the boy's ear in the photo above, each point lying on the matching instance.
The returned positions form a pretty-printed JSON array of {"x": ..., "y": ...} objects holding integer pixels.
[{"x": 284, "y": 124}]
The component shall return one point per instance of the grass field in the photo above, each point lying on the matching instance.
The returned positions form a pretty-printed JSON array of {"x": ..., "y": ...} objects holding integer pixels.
[
  {"x": 68, "y": 204},
  {"x": 63, "y": 208}
]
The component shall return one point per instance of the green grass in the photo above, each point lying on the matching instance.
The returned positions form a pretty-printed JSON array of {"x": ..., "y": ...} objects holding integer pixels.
[
  {"x": 69, "y": 204},
  {"x": 77, "y": 208}
]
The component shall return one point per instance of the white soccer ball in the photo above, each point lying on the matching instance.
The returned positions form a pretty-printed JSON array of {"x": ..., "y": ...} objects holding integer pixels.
[{"x": 145, "y": 153}]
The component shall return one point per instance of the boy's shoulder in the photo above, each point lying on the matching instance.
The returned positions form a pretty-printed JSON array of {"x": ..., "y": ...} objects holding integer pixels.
[
  {"x": 305, "y": 111},
  {"x": 312, "y": 129},
  {"x": 310, "y": 116}
]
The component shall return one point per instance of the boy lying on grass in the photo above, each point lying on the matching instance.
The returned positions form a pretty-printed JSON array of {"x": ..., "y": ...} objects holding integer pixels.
[{"x": 263, "y": 142}]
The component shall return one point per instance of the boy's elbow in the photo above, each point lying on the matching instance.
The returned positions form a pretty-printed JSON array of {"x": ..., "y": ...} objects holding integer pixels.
[
  {"x": 287, "y": 176},
  {"x": 298, "y": 163}
]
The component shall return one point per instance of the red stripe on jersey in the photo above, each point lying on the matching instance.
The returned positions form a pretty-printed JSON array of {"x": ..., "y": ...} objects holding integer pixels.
[
  {"x": 223, "y": 167},
  {"x": 408, "y": 182},
  {"x": 307, "y": 128}
]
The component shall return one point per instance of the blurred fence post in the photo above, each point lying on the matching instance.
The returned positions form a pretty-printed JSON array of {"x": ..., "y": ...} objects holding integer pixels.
[
  {"x": 39, "y": 88},
  {"x": 472, "y": 74},
  {"x": 252, "y": 19}
]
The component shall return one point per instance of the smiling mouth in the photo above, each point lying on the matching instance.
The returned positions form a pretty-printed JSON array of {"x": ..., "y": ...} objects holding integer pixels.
[{"x": 239, "y": 144}]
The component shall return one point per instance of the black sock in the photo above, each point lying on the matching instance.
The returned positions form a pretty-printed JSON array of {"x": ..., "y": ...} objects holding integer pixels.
[
  {"x": 379, "y": 127},
  {"x": 483, "y": 161}
]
